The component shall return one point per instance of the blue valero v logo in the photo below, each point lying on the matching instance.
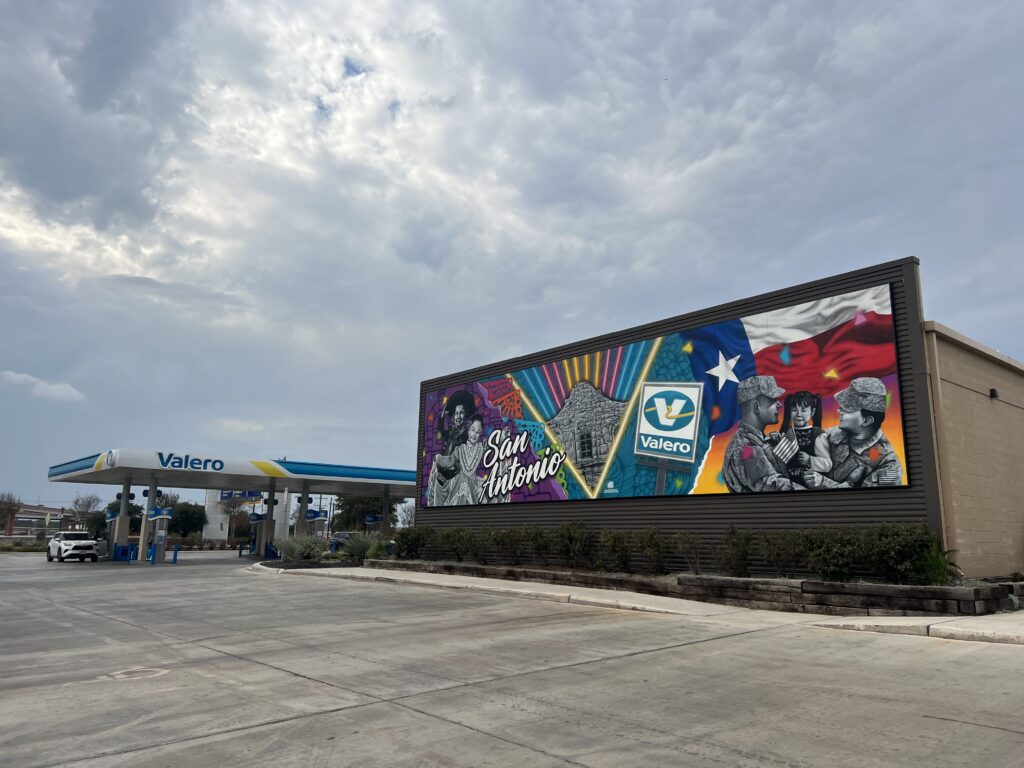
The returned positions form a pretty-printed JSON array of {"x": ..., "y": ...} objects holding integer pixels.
[{"x": 668, "y": 419}]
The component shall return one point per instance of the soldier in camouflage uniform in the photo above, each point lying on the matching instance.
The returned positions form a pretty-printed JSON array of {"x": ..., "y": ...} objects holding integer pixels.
[
  {"x": 862, "y": 456},
  {"x": 751, "y": 464}
]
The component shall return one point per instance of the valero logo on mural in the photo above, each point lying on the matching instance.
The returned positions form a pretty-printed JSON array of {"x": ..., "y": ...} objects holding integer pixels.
[{"x": 668, "y": 420}]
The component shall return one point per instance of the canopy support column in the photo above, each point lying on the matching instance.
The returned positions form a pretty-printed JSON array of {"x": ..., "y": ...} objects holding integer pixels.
[
  {"x": 385, "y": 513},
  {"x": 302, "y": 528},
  {"x": 265, "y": 533},
  {"x": 144, "y": 531},
  {"x": 121, "y": 522}
]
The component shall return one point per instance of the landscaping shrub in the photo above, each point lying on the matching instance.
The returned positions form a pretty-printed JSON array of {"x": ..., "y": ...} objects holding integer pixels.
[
  {"x": 783, "y": 551},
  {"x": 652, "y": 547},
  {"x": 411, "y": 542},
  {"x": 377, "y": 551},
  {"x": 613, "y": 549},
  {"x": 938, "y": 566},
  {"x": 510, "y": 542},
  {"x": 539, "y": 542},
  {"x": 290, "y": 549},
  {"x": 575, "y": 543},
  {"x": 833, "y": 552},
  {"x": 898, "y": 553},
  {"x": 457, "y": 543},
  {"x": 688, "y": 545},
  {"x": 360, "y": 545},
  {"x": 478, "y": 541},
  {"x": 733, "y": 553}
]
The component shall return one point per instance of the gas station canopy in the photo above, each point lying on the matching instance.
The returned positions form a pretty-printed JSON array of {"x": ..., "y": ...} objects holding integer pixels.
[{"x": 192, "y": 470}]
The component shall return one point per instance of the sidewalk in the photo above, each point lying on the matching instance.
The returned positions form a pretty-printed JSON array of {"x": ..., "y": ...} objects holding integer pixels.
[{"x": 995, "y": 628}]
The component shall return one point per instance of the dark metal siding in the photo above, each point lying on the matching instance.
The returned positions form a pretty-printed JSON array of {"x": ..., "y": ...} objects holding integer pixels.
[{"x": 712, "y": 515}]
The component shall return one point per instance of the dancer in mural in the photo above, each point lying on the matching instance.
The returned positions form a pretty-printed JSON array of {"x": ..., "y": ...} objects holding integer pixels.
[
  {"x": 801, "y": 421},
  {"x": 465, "y": 487},
  {"x": 754, "y": 461},
  {"x": 455, "y": 422},
  {"x": 862, "y": 456}
]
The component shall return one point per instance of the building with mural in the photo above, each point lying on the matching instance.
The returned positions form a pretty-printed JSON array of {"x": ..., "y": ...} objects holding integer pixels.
[{"x": 807, "y": 406}]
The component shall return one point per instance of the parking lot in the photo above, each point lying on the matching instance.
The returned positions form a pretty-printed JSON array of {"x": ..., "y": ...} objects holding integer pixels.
[{"x": 208, "y": 664}]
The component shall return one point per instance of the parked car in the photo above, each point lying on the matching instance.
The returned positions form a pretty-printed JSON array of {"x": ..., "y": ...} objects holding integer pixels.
[{"x": 72, "y": 544}]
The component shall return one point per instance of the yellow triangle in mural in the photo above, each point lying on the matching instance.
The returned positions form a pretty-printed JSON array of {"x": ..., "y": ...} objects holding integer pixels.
[{"x": 592, "y": 491}]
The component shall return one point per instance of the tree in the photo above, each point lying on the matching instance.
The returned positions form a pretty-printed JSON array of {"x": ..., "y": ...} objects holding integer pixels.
[
  {"x": 349, "y": 512},
  {"x": 96, "y": 524},
  {"x": 187, "y": 518},
  {"x": 168, "y": 500},
  {"x": 407, "y": 514},
  {"x": 10, "y": 505},
  {"x": 236, "y": 510},
  {"x": 83, "y": 506}
]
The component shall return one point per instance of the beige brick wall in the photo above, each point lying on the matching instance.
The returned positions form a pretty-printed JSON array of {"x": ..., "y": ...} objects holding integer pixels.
[{"x": 981, "y": 451}]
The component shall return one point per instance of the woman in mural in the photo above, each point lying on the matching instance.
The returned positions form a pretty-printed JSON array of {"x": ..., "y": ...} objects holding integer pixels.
[
  {"x": 802, "y": 420},
  {"x": 458, "y": 409},
  {"x": 465, "y": 487}
]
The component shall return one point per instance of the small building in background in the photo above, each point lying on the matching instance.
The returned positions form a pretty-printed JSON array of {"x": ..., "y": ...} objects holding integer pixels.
[{"x": 36, "y": 521}]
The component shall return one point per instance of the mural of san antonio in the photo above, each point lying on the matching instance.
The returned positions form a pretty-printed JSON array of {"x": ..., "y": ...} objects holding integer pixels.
[{"x": 796, "y": 399}]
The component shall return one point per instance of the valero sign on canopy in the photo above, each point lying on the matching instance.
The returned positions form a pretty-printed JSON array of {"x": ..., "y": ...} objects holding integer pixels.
[{"x": 801, "y": 398}]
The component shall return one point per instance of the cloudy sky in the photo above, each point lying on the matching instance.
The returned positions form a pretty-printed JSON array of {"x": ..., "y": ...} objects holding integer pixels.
[{"x": 253, "y": 228}]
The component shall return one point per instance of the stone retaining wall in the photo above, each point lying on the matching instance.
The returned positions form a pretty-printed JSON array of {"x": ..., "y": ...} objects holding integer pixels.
[
  {"x": 847, "y": 598},
  {"x": 826, "y": 597}
]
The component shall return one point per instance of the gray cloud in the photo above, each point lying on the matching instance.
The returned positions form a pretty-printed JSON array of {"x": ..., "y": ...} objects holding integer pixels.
[{"x": 255, "y": 228}]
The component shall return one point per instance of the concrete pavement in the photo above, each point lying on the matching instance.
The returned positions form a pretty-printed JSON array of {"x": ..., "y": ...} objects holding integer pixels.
[
  {"x": 210, "y": 664},
  {"x": 994, "y": 628}
]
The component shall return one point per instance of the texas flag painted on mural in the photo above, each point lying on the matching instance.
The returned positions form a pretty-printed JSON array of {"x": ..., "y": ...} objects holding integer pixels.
[{"x": 820, "y": 346}]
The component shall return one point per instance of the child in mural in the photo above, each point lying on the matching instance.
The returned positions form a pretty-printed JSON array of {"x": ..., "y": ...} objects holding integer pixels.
[
  {"x": 465, "y": 487},
  {"x": 455, "y": 422},
  {"x": 862, "y": 456},
  {"x": 801, "y": 420},
  {"x": 754, "y": 461}
]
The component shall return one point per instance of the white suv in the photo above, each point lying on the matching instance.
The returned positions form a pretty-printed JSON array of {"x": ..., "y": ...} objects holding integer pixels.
[{"x": 72, "y": 544}]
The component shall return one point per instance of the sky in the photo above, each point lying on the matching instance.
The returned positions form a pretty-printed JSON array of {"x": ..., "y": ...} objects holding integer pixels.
[{"x": 252, "y": 229}]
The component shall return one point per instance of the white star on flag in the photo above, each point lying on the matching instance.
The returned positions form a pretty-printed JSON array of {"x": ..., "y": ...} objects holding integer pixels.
[{"x": 724, "y": 370}]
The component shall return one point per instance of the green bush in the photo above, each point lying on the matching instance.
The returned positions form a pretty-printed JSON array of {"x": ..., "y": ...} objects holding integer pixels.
[
  {"x": 410, "y": 543},
  {"x": 783, "y": 551},
  {"x": 833, "y": 552},
  {"x": 510, "y": 542},
  {"x": 733, "y": 553},
  {"x": 457, "y": 543},
  {"x": 574, "y": 543},
  {"x": 290, "y": 549},
  {"x": 652, "y": 547},
  {"x": 296, "y": 548},
  {"x": 313, "y": 546},
  {"x": 479, "y": 542},
  {"x": 359, "y": 546},
  {"x": 377, "y": 551},
  {"x": 898, "y": 553},
  {"x": 688, "y": 545},
  {"x": 613, "y": 551},
  {"x": 938, "y": 566},
  {"x": 540, "y": 542}
]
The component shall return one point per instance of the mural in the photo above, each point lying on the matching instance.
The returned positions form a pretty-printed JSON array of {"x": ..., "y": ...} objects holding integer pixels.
[{"x": 802, "y": 398}]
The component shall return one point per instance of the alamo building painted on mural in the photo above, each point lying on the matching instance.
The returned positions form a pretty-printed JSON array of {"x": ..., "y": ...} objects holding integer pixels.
[{"x": 586, "y": 426}]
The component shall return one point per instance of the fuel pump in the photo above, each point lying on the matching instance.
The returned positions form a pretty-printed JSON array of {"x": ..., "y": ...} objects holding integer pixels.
[{"x": 159, "y": 518}]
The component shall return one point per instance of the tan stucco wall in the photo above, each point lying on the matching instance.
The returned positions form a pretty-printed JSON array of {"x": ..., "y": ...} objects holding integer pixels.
[{"x": 980, "y": 451}]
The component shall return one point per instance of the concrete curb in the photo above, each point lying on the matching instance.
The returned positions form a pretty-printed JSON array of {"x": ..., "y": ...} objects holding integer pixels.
[
  {"x": 528, "y": 594},
  {"x": 942, "y": 628}
]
